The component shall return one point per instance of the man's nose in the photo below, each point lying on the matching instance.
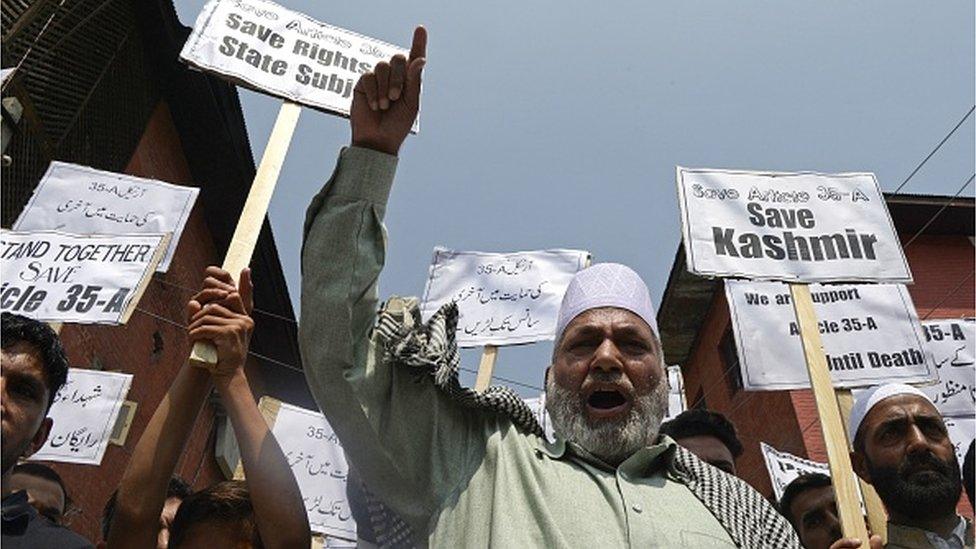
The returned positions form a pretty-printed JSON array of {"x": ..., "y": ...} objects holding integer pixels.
[
  {"x": 607, "y": 357},
  {"x": 916, "y": 439}
]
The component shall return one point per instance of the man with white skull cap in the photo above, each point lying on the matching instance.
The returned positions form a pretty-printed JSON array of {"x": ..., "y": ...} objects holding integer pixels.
[
  {"x": 469, "y": 469},
  {"x": 902, "y": 448}
]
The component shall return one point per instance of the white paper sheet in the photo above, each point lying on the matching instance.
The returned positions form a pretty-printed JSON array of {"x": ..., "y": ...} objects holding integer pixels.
[
  {"x": 284, "y": 53},
  {"x": 797, "y": 227},
  {"x": 319, "y": 464},
  {"x": 88, "y": 279},
  {"x": 84, "y": 412},
  {"x": 82, "y": 200},
  {"x": 951, "y": 344},
  {"x": 870, "y": 334},
  {"x": 503, "y": 298}
]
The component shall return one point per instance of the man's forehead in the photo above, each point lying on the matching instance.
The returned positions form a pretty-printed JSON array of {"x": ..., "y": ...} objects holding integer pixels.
[
  {"x": 813, "y": 498},
  {"x": 601, "y": 317},
  {"x": 899, "y": 406}
]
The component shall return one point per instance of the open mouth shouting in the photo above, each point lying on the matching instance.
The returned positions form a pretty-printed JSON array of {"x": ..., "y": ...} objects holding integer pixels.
[{"x": 607, "y": 402}]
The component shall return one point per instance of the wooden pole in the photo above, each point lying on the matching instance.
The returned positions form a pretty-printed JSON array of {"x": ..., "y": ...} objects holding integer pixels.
[
  {"x": 245, "y": 237},
  {"x": 486, "y": 368},
  {"x": 841, "y": 472},
  {"x": 877, "y": 517}
]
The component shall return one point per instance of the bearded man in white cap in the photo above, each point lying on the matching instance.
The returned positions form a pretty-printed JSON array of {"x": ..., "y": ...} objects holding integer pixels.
[
  {"x": 902, "y": 448},
  {"x": 469, "y": 469}
]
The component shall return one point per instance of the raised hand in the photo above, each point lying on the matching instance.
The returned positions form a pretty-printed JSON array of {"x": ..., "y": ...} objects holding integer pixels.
[
  {"x": 220, "y": 313},
  {"x": 386, "y": 100}
]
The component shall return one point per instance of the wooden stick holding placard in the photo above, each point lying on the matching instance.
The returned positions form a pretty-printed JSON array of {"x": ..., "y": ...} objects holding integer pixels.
[
  {"x": 841, "y": 471},
  {"x": 245, "y": 237},
  {"x": 486, "y": 368},
  {"x": 877, "y": 518}
]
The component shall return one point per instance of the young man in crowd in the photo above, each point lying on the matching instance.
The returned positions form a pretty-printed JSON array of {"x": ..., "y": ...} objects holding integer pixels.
[
  {"x": 708, "y": 435},
  {"x": 32, "y": 370},
  {"x": 267, "y": 509},
  {"x": 902, "y": 448},
  {"x": 473, "y": 469},
  {"x": 45, "y": 489},
  {"x": 808, "y": 503},
  {"x": 176, "y": 492}
]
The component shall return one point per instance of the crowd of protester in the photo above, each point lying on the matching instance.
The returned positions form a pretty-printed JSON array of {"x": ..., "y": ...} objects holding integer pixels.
[{"x": 437, "y": 464}]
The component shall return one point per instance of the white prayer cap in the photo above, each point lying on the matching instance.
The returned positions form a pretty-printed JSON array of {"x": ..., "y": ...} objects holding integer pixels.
[
  {"x": 605, "y": 285},
  {"x": 866, "y": 400}
]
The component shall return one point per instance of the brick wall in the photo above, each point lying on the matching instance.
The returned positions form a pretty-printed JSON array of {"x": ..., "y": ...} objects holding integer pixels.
[{"x": 151, "y": 348}]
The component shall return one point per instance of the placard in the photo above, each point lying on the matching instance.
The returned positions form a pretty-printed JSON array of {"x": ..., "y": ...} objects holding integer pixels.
[
  {"x": 793, "y": 227},
  {"x": 316, "y": 458},
  {"x": 88, "y": 279},
  {"x": 274, "y": 50},
  {"x": 951, "y": 344},
  {"x": 784, "y": 468},
  {"x": 502, "y": 298},
  {"x": 82, "y": 200},
  {"x": 870, "y": 333},
  {"x": 962, "y": 431},
  {"x": 84, "y": 412}
]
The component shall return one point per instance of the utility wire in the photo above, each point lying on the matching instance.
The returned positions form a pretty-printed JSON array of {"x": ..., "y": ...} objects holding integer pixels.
[{"x": 931, "y": 154}]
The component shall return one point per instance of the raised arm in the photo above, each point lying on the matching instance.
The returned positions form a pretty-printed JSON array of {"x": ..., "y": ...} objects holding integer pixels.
[
  {"x": 409, "y": 443},
  {"x": 142, "y": 491},
  {"x": 278, "y": 506}
]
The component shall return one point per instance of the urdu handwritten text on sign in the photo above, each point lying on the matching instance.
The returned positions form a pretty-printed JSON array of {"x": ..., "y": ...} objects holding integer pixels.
[
  {"x": 951, "y": 343},
  {"x": 284, "y": 53},
  {"x": 794, "y": 227},
  {"x": 502, "y": 298},
  {"x": 316, "y": 458},
  {"x": 84, "y": 412},
  {"x": 91, "y": 279},
  {"x": 870, "y": 333},
  {"x": 81, "y": 200}
]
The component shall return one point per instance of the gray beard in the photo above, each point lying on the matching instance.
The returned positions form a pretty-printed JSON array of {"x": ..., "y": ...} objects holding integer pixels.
[{"x": 612, "y": 441}]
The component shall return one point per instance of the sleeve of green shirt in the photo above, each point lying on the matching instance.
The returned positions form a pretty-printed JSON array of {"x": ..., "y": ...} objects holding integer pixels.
[{"x": 411, "y": 445}]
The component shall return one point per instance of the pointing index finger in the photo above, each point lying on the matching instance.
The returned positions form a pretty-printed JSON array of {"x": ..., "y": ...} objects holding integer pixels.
[{"x": 419, "y": 47}]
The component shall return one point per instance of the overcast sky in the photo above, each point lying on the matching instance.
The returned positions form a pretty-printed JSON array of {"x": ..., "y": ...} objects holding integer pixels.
[{"x": 559, "y": 124}]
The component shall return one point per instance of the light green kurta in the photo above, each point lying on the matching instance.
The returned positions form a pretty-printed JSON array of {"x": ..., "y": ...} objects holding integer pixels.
[{"x": 459, "y": 478}]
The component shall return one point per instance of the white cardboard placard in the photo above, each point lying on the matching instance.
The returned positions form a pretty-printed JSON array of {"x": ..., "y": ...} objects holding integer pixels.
[
  {"x": 82, "y": 200},
  {"x": 84, "y": 412},
  {"x": 284, "y": 53},
  {"x": 784, "y": 468},
  {"x": 88, "y": 279},
  {"x": 316, "y": 458},
  {"x": 793, "y": 227},
  {"x": 502, "y": 298},
  {"x": 962, "y": 431},
  {"x": 870, "y": 334},
  {"x": 951, "y": 344}
]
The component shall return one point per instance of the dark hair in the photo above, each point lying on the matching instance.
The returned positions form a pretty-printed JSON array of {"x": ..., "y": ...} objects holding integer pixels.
[
  {"x": 697, "y": 422},
  {"x": 17, "y": 328},
  {"x": 177, "y": 488},
  {"x": 43, "y": 471},
  {"x": 227, "y": 502},
  {"x": 799, "y": 485},
  {"x": 968, "y": 466}
]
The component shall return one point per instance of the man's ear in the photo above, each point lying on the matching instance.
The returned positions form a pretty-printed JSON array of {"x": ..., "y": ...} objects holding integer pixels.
[
  {"x": 860, "y": 466},
  {"x": 40, "y": 437}
]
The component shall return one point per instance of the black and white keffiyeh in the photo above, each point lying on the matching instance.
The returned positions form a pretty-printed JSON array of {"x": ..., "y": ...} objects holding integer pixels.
[{"x": 431, "y": 350}]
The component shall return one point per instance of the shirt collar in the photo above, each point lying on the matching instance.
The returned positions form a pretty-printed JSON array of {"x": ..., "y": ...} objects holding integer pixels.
[
  {"x": 641, "y": 463},
  {"x": 904, "y": 533},
  {"x": 16, "y": 509}
]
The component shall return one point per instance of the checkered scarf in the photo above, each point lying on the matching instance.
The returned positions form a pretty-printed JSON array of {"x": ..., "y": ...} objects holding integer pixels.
[{"x": 430, "y": 350}]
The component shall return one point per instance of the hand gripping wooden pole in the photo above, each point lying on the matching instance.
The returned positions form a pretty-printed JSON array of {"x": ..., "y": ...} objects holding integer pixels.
[
  {"x": 245, "y": 237},
  {"x": 841, "y": 472}
]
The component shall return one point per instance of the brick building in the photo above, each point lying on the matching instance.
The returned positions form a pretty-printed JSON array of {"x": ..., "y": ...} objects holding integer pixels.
[
  {"x": 98, "y": 83},
  {"x": 937, "y": 235}
]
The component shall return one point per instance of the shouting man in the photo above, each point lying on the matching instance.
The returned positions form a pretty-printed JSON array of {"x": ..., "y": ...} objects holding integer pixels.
[{"x": 474, "y": 469}]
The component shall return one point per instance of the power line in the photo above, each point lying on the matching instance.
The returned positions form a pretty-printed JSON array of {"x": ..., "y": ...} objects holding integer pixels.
[
  {"x": 931, "y": 154},
  {"x": 938, "y": 213}
]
